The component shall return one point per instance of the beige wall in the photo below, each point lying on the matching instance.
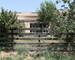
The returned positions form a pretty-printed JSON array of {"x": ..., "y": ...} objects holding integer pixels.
[
  {"x": 27, "y": 16},
  {"x": 27, "y": 25}
]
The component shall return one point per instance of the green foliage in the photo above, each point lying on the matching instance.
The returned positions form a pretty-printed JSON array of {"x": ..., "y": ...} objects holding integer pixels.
[
  {"x": 46, "y": 11},
  {"x": 67, "y": 19},
  {"x": 8, "y": 19},
  {"x": 41, "y": 55},
  {"x": 60, "y": 21},
  {"x": 50, "y": 55},
  {"x": 47, "y": 14}
]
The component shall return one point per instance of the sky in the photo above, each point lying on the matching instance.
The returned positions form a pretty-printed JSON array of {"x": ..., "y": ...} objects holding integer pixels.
[{"x": 23, "y": 5}]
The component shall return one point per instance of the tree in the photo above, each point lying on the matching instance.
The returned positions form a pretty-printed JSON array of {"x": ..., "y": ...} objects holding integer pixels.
[
  {"x": 8, "y": 19},
  {"x": 67, "y": 21},
  {"x": 63, "y": 23},
  {"x": 47, "y": 14}
]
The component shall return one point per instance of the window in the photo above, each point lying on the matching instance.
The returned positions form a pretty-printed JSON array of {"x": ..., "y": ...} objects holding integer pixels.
[{"x": 39, "y": 27}]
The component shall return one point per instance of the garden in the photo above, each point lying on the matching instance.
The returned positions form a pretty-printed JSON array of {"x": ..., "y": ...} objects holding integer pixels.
[{"x": 61, "y": 24}]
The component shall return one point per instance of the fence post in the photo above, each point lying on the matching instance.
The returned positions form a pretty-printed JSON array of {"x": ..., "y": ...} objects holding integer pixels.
[
  {"x": 39, "y": 40},
  {"x": 12, "y": 40}
]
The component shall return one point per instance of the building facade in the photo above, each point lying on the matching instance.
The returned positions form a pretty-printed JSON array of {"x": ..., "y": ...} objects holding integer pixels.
[{"x": 30, "y": 21}]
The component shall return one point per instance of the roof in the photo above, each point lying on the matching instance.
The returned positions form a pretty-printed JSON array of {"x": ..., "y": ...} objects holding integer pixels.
[
  {"x": 27, "y": 15},
  {"x": 33, "y": 15}
]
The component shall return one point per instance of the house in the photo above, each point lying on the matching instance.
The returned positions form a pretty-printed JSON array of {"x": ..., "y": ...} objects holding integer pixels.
[{"x": 30, "y": 20}]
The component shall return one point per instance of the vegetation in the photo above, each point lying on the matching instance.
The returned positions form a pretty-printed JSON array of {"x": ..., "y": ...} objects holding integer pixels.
[
  {"x": 8, "y": 20},
  {"x": 59, "y": 22},
  {"x": 67, "y": 22},
  {"x": 41, "y": 55},
  {"x": 46, "y": 13}
]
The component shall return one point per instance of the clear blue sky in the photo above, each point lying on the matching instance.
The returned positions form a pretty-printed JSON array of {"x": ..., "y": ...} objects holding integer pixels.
[{"x": 22, "y": 5}]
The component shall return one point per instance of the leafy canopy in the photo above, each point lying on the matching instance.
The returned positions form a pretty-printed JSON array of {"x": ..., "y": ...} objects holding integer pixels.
[
  {"x": 45, "y": 12},
  {"x": 67, "y": 18},
  {"x": 7, "y": 18}
]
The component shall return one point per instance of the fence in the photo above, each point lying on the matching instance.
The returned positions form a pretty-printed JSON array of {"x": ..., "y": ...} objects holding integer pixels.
[{"x": 35, "y": 41}]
